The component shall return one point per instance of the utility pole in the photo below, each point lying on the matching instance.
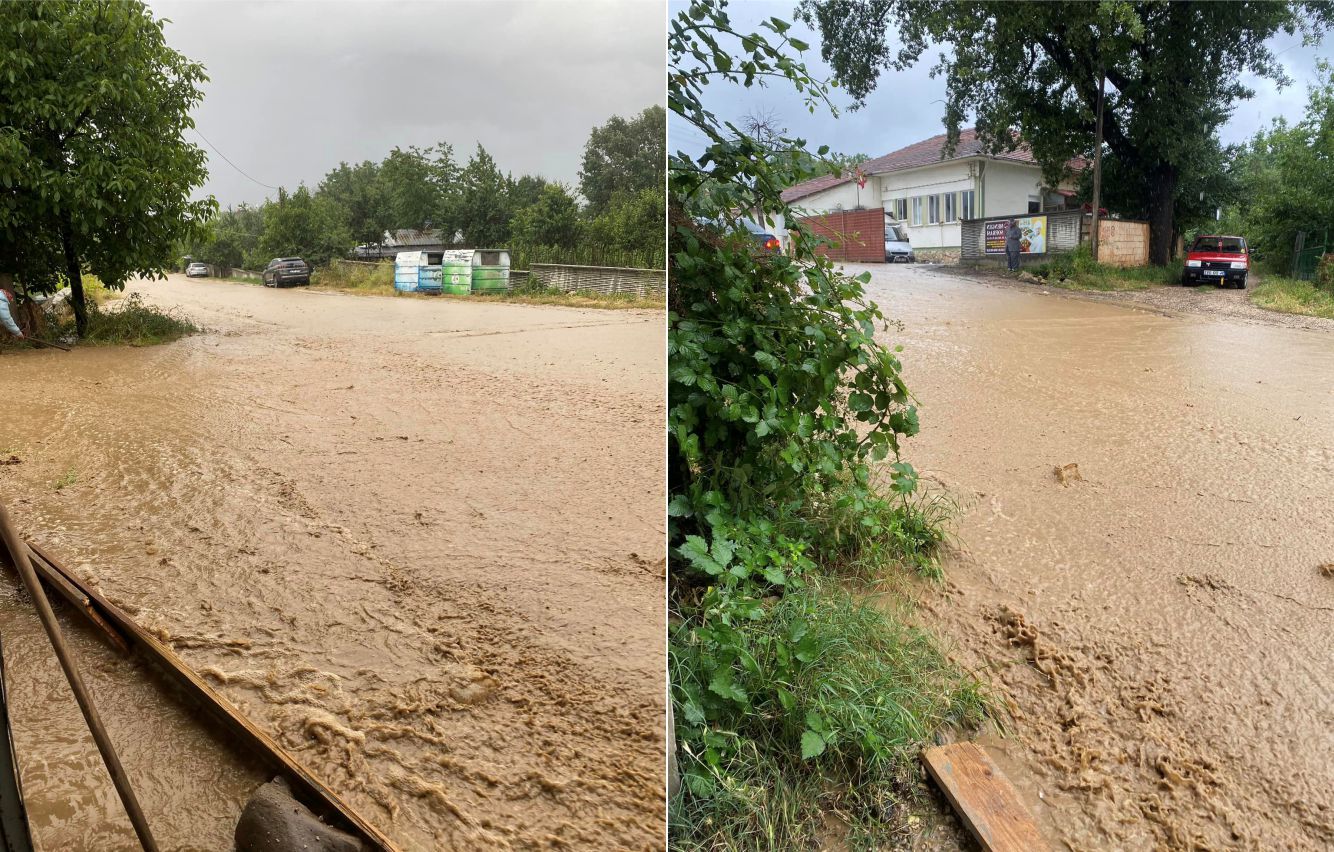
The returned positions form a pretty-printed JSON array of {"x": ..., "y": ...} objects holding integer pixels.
[{"x": 1097, "y": 164}]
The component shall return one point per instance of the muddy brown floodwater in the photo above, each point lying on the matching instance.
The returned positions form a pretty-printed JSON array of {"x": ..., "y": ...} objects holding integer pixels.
[
  {"x": 419, "y": 542},
  {"x": 1157, "y": 626}
]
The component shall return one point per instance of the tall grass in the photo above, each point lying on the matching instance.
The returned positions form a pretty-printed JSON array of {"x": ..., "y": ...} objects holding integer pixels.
[
  {"x": 131, "y": 322},
  {"x": 1077, "y": 270},
  {"x": 1290, "y": 296},
  {"x": 361, "y": 277},
  {"x": 879, "y": 688}
]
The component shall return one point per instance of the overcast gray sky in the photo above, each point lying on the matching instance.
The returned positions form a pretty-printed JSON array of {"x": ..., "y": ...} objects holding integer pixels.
[
  {"x": 908, "y": 107},
  {"x": 295, "y": 87}
]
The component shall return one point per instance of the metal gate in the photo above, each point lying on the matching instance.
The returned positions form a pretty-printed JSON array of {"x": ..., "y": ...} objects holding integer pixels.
[{"x": 1309, "y": 247}]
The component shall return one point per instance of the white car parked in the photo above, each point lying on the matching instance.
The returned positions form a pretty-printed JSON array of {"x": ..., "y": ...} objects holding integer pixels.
[{"x": 196, "y": 270}]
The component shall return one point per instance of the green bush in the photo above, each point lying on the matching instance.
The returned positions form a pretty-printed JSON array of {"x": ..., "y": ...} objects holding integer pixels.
[
  {"x": 785, "y": 417},
  {"x": 131, "y": 322},
  {"x": 1324, "y": 273},
  {"x": 861, "y": 691}
]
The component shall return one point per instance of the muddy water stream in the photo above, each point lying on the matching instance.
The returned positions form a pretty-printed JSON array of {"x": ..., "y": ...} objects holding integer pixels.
[
  {"x": 419, "y": 542},
  {"x": 1158, "y": 626}
]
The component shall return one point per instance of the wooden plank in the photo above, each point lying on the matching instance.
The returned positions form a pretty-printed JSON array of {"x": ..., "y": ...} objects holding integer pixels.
[
  {"x": 307, "y": 788},
  {"x": 58, "y": 583},
  {"x": 985, "y": 801}
]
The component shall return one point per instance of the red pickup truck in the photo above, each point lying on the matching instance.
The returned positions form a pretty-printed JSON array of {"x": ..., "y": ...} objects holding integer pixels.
[{"x": 1224, "y": 261}]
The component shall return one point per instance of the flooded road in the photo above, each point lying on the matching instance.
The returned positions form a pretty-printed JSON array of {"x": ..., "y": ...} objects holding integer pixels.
[
  {"x": 1156, "y": 622},
  {"x": 418, "y": 542}
]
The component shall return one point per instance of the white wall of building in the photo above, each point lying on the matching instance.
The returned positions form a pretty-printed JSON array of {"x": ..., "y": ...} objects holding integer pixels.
[
  {"x": 944, "y": 179},
  {"x": 842, "y": 197},
  {"x": 1008, "y": 187},
  {"x": 999, "y": 188}
]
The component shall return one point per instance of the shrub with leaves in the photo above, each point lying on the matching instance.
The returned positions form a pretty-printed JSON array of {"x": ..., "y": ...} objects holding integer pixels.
[{"x": 781, "y": 403}]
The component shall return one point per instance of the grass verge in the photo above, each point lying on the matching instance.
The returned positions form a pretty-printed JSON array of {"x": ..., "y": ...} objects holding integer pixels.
[
  {"x": 1079, "y": 271},
  {"x": 378, "y": 280},
  {"x": 131, "y": 322},
  {"x": 801, "y": 704},
  {"x": 876, "y": 690},
  {"x": 114, "y": 319},
  {"x": 1290, "y": 296}
]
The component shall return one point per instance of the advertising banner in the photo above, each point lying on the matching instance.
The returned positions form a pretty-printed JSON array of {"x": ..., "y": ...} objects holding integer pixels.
[{"x": 1032, "y": 240}]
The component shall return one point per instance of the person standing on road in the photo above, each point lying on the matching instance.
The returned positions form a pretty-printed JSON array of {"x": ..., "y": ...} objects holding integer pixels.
[
  {"x": 7, "y": 302},
  {"x": 1012, "y": 235}
]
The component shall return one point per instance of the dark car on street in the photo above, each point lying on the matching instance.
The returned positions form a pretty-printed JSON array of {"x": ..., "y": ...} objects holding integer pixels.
[
  {"x": 764, "y": 239},
  {"x": 282, "y": 271},
  {"x": 1221, "y": 260}
]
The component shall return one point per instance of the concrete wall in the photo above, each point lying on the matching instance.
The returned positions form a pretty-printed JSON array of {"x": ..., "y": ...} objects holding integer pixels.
[
  {"x": 599, "y": 279},
  {"x": 1123, "y": 242}
]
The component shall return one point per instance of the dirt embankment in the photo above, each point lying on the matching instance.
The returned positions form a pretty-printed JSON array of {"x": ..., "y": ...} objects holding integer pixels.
[
  {"x": 420, "y": 543},
  {"x": 1157, "y": 627}
]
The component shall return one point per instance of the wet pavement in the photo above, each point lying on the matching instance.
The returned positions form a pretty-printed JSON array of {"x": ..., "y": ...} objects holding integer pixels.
[
  {"x": 419, "y": 542},
  {"x": 1156, "y": 623}
]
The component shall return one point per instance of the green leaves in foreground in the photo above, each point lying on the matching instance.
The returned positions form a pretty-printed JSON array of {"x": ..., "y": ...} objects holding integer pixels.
[{"x": 782, "y": 402}]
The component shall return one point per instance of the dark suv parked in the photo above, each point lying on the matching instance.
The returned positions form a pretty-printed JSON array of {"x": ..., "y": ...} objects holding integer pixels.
[{"x": 282, "y": 271}]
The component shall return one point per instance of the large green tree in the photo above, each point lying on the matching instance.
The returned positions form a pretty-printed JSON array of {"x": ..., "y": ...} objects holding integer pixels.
[
  {"x": 93, "y": 105},
  {"x": 1286, "y": 178},
  {"x": 410, "y": 180},
  {"x": 1174, "y": 73},
  {"x": 304, "y": 225},
  {"x": 624, "y": 156},
  {"x": 483, "y": 207},
  {"x": 552, "y": 220},
  {"x": 359, "y": 195}
]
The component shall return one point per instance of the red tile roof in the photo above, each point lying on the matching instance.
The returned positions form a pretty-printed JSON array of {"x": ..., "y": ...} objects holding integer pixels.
[{"x": 925, "y": 153}]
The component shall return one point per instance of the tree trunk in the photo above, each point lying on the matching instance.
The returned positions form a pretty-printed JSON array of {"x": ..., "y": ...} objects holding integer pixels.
[
  {"x": 75, "y": 275},
  {"x": 1162, "y": 205}
]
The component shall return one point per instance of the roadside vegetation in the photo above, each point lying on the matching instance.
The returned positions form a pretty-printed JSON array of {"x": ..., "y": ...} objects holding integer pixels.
[
  {"x": 1077, "y": 270},
  {"x": 800, "y": 695},
  {"x": 613, "y": 217},
  {"x": 1290, "y": 296},
  {"x": 111, "y": 319},
  {"x": 131, "y": 322}
]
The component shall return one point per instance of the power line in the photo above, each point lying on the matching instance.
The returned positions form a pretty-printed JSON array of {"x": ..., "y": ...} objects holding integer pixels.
[{"x": 230, "y": 163}]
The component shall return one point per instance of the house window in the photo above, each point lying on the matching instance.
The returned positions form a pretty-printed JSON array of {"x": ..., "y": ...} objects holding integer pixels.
[
  {"x": 951, "y": 207},
  {"x": 917, "y": 210},
  {"x": 933, "y": 209},
  {"x": 1034, "y": 204},
  {"x": 968, "y": 204},
  {"x": 898, "y": 209}
]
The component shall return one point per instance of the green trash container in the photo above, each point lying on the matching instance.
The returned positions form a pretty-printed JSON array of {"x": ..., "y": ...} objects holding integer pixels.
[
  {"x": 490, "y": 271},
  {"x": 456, "y": 271}
]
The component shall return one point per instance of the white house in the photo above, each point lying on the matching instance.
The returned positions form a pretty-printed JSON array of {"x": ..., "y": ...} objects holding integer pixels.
[{"x": 930, "y": 192}]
